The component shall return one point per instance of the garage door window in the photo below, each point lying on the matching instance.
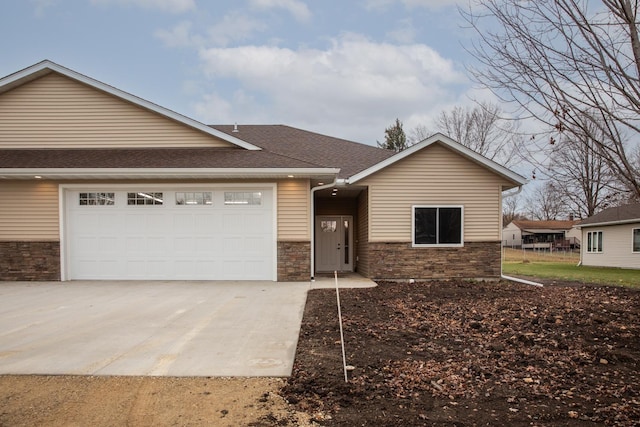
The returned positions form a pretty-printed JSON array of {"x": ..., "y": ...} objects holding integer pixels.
[
  {"x": 96, "y": 199},
  {"x": 243, "y": 198},
  {"x": 145, "y": 198},
  {"x": 194, "y": 198}
]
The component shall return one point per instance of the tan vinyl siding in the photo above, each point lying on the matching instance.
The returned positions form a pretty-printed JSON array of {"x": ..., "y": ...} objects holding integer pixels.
[
  {"x": 362, "y": 237},
  {"x": 434, "y": 176},
  {"x": 617, "y": 249},
  {"x": 57, "y": 112},
  {"x": 29, "y": 211},
  {"x": 293, "y": 210}
]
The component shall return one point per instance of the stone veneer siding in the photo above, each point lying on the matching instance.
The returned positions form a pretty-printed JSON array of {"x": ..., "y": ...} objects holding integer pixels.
[
  {"x": 29, "y": 261},
  {"x": 401, "y": 261},
  {"x": 294, "y": 261}
]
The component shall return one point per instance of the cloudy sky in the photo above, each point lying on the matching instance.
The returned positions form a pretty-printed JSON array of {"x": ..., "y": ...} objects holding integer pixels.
[{"x": 346, "y": 68}]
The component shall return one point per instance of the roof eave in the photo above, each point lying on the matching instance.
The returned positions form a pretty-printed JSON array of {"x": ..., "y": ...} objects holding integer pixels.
[
  {"x": 44, "y": 67},
  {"x": 607, "y": 223},
  {"x": 516, "y": 179},
  {"x": 166, "y": 173}
]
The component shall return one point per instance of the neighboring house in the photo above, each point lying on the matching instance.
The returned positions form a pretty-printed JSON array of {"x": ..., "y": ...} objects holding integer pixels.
[
  {"x": 549, "y": 235},
  {"x": 96, "y": 183},
  {"x": 612, "y": 238}
]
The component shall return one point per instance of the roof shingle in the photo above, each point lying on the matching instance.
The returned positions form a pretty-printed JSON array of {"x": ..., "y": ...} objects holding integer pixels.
[
  {"x": 615, "y": 214},
  {"x": 351, "y": 157},
  {"x": 282, "y": 147}
]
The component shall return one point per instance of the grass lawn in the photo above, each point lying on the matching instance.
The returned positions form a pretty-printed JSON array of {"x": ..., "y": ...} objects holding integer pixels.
[{"x": 563, "y": 266}]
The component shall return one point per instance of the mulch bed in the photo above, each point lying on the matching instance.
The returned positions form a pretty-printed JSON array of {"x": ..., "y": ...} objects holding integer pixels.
[{"x": 471, "y": 353}]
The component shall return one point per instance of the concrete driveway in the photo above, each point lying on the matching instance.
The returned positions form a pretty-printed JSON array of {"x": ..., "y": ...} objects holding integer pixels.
[{"x": 150, "y": 328}]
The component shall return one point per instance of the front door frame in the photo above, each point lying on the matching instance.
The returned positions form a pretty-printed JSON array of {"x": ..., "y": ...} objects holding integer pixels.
[{"x": 341, "y": 243}]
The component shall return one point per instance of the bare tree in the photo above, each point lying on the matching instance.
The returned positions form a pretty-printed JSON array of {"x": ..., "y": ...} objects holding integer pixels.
[
  {"x": 510, "y": 209},
  {"x": 481, "y": 129},
  {"x": 581, "y": 174},
  {"x": 419, "y": 133},
  {"x": 546, "y": 203},
  {"x": 560, "y": 61}
]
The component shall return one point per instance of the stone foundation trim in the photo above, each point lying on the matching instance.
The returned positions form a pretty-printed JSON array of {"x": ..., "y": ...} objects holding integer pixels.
[
  {"x": 29, "y": 261},
  {"x": 401, "y": 261},
  {"x": 294, "y": 261}
]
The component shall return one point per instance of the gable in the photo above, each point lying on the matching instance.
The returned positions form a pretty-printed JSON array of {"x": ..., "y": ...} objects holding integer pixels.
[
  {"x": 55, "y": 111},
  {"x": 435, "y": 175},
  {"x": 437, "y": 166},
  {"x": 510, "y": 178}
]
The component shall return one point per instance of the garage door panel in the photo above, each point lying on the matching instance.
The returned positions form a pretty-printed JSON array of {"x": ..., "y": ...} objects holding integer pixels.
[
  {"x": 208, "y": 223},
  {"x": 146, "y": 269},
  {"x": 232, "y": 268},
  {"x": 256, "y": 244},
  {"x": 253, "y": 265},
  {"x": 255, "y": 222},
  {"x": 134, "y": 245},
  {"x": 184, "y": 223},
  {"x": 157, "y": 246},
  {"x": 85, "y": 223},
  {"x": 90, "y": 269},
  {"x": 233, "y": 245},
  {"x": 207, "y": 245},
  {"x": 232, "y": 222},
  {"x": 134, "y": 223},
  {"x": 215, "y": 241},
  {"x": 108, "y": 245},
  {"x": 184, "y": 245}
]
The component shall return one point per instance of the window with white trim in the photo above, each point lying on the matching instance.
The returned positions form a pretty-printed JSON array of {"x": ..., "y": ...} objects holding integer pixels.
[
  {"x": 636, "y": 240},
  {"x": 437, "y": 226},
  {"x": 145, "y": 198},
  {"x": 96, "y": 199},
  {"x": 594, "y": 241},
  {"x": 243, "y": 198},
  {"x": 194, "y": 198}
]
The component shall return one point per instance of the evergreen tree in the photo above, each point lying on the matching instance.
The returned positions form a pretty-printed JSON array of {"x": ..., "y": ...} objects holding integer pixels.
[{"x": 394, "y": 137}]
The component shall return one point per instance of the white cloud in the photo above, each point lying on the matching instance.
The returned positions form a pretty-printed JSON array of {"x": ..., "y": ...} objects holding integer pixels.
[
  {"x": 297, "y": 8},
  {"x": 235, "y": 26},
  {"x": 178, "y": 36},
  {"x": 343, "y": 90},
  {"x": 173, "y": 6}
]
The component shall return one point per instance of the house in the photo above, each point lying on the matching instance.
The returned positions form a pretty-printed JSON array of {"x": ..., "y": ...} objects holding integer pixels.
[
  {"x": 547, "y": 235},
  {"x": 96, "y": 183},
  {"x": 612, "y": 238}
]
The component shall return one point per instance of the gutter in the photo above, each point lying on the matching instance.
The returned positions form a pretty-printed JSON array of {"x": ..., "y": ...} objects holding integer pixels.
[
  {"x": 335, "y": 183},
  {"x": 514, "y": 279},
  {"x": 162, "y": 173}
]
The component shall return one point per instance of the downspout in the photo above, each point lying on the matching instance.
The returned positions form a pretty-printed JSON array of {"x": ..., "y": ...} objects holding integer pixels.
[
  {"x": 580, "y": 260},
  {"x": 513, "y": 279},
  {"x": 313, "y": 222}
]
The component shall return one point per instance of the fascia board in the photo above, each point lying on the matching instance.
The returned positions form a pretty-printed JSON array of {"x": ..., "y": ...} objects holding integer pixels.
[
  {"x": 608, "y": 223},
  {"x": 40, "y": 68},
  {"x": 438, "y": 137},
  {"x": 114, "y": 173}
]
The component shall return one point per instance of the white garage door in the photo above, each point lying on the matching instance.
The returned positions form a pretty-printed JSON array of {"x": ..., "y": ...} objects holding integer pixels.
[{"x": 170, "y": 234}]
